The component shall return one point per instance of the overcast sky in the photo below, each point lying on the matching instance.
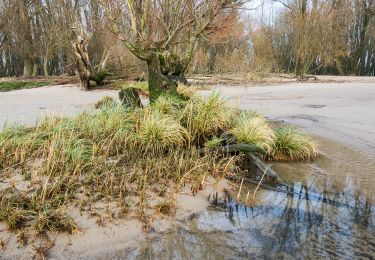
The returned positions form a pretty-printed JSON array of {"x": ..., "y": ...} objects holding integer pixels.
[{"x": 266, "y": 8}]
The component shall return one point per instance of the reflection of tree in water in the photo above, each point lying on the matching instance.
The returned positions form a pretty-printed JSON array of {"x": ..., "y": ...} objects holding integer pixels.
[
  {"x": 323, "y": 226},
  {"x": 306, "y": 224},
  {"x": 329, "y": 215}
]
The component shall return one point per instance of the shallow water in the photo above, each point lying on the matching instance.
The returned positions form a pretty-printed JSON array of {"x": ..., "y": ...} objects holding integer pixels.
[{"x": 331, "y": 214}]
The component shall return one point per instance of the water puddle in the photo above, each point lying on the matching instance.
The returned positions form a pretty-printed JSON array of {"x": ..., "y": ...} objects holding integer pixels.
[{"x": 331, "y": 214}]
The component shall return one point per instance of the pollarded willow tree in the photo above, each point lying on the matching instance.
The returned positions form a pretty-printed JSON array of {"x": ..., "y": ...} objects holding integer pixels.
[{"x": 164, "y": 33}]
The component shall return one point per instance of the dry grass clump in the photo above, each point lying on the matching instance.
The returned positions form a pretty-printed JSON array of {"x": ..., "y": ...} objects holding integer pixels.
[
  {"x": 206, "y": 117},
  {"x": 105, "y": 101},
  {"x": 19, "y": 208},
  {"x": 157, "y": 131},
  {"x": 186, "y": 91},
  {"x": 293, "y": 145},
  {"x": 167, "y": 104},
  {"x": 251, "y": 128}
]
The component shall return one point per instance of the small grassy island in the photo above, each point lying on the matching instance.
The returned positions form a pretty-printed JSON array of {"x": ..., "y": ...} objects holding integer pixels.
[{"x": 119, "y": 155}]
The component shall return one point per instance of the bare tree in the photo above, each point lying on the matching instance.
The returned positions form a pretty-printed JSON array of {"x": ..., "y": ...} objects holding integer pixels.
[{"x": 163, "y": 33}]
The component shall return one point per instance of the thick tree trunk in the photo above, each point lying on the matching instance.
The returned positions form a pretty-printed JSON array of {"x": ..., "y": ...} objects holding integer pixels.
[
  {"x": 79, "y": 40},
  {"x": 300, "y": 64},
  {"x": 164, "y": 74},
  {"x": 35, "y": 69},
  {"x": 27, "y": 67}
]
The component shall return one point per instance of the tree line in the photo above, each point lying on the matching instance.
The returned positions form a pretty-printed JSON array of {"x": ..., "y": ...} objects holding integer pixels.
[{"x": 170, "y": 38}]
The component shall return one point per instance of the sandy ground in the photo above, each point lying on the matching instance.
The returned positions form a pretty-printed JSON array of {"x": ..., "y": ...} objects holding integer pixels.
[
  {"x": 343, "y": 112},
  {"x": 103, "y": 241},
  {"x": 26, "y": 106}
]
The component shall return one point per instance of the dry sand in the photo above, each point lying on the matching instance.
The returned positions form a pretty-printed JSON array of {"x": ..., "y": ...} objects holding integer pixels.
[{"x": 27, "y": 105}]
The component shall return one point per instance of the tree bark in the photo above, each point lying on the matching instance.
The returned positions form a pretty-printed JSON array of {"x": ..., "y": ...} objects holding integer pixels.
[
  {"x": 164, "y": 73},
  {"x": 35, "y": 69},
  {"x": 300, "y": 63},
  {"x": 129, "y": 98},
  {"x": 45, "y": 66},
  {"x": 211, "y": 59},
  {"x": 299, "y": 71},
  {"x": 27, "y": 67}
]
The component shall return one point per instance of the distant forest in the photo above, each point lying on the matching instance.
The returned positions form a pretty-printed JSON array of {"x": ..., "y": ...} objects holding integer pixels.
[{"x": 120, "y": 37}]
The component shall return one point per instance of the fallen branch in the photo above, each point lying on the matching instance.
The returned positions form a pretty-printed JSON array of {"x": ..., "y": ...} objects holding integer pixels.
[
  {"x": 263, "y": 167},
  {"x": 243, "y": 148},
  {"x": 289, "y": 189},
  {"x": 250, "y": 150}
]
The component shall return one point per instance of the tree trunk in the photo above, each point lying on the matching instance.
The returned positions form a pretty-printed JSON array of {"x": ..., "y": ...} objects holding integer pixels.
[
  {"x": 129, "y": 98},
  {"x": 27, "y": 67},
  {"x": 45, "y": 67},
  {"x": 211, "y": 59},
  {"x": 35, "y": 69},
  {"x": 164, "y": 74},
  {"x": 299, "y": 68},
  {"x": 79, "y": 41},
  {"x": 300, "y": 64}
]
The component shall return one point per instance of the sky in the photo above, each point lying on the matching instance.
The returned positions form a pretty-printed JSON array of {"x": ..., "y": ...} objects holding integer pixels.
[{"x": 268, "y": 9}]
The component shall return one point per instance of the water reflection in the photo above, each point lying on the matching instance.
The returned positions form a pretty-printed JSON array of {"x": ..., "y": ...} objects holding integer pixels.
[{"x": 330, "y": 214}]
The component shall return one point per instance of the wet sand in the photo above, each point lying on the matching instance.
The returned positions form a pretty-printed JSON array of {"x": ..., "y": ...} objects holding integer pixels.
[{"x": 101, "y": 238}]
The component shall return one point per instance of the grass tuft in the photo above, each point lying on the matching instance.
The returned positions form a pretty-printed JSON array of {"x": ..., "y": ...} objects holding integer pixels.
[
  {"x": 206, "y": 117},
  {"x": 186, "y": 91},
  {"x": 157, "y": 131},
  {"x": 293, "y": 145},
  {"x": 106, "y": 102},
  {"x": 214, "y": 142},
  {"x": 142, "y": 86},
  {"x": 167, "y": 104},
  {"x": 167, "y": 207},
  {"x": 117, "y": 155},
  {"x": 251, "y": 128}
]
